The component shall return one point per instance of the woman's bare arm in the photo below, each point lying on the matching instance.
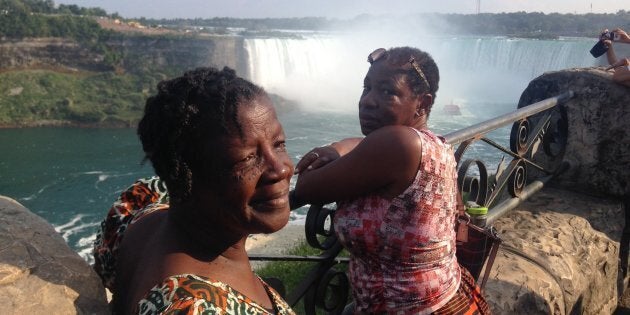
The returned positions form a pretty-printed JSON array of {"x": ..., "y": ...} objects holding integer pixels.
[{"x": 385, "y": 162}]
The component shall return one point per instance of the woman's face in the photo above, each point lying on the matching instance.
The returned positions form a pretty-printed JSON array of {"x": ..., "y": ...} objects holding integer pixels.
[
  {"x": 386, "y": 99},
  {"x": 252, "y": 195}
]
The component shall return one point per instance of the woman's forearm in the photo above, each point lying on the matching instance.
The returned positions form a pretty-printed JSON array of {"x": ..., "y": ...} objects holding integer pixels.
[
  {"x": 611, "y": 56},
  {"x": 346, "y": 145}
]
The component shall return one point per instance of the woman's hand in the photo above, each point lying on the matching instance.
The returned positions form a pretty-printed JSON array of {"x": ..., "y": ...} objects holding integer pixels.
[
  {"x": 321, "y": 156},
  {"x": 623, "y": 36},
  {"x": 316, "y": 158},
  {"x": 608, "y": 43}
]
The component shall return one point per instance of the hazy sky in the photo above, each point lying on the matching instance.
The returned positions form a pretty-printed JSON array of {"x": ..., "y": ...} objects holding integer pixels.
[{"x": 337, "y": 8}]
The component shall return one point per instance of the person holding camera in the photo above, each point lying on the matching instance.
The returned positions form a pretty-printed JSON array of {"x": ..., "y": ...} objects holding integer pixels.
[{"x": 620, "y": 66}]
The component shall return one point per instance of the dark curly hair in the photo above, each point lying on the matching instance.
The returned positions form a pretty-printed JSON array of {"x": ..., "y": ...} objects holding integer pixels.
[
  {"x": 400, "y": 56},
  {"x": 186, "y": 113}
]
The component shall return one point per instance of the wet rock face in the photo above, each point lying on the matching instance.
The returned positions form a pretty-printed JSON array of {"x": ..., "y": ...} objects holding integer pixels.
[
  {"x": 39, "y": 273},
  {"x": 598, "y": 143}
]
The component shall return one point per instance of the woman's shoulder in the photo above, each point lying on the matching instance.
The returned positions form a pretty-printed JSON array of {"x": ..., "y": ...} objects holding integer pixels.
[
  {"x": 394, "y": 138},
  {"x": 145, "y": 196},
  {"x": 188, "y": 294}
]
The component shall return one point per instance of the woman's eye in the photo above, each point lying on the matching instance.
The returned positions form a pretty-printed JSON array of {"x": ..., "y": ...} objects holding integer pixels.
[
  {"x": 281, "y": 145},
  {"x": 365, "y": 91},
  {"x": 248, "y": 158}
]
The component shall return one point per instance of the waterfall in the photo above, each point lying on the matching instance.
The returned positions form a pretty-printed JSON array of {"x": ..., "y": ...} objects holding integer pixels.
[
  {"x": 326, "y": 70},
  {"x": 525, "y": 57}
]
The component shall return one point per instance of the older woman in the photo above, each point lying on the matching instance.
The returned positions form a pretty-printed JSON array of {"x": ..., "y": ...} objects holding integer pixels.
[
  {"x": 215, "y": 141},
  {"x": 396, "y": 195}
]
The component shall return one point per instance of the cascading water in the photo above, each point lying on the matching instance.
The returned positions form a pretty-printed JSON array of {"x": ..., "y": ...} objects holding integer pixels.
[
  {"x": 309, "y": 70},
  {"x": 526, "y": 57},
  {"x": 326, "y": 71}
]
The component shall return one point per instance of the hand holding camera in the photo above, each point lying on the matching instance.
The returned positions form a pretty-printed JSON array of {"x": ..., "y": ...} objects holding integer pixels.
[
  {"x": 609, "y": 35},
  {"x": 605, "y": 41}
]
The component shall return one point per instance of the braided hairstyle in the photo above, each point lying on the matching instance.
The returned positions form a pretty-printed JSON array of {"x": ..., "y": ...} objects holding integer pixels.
[
  {"x": 399, "y": 56},
  {"x": 187, "y": 113}
]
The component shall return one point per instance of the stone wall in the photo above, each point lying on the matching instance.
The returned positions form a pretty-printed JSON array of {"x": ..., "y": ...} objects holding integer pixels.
[
  {"x": 563, "y": 246},
  {"x": 598, "y": 143}
]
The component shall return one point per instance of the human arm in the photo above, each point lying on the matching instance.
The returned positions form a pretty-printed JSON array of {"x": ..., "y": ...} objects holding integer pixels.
[
  {"x": 385, "y": 162},
  {"x": 622, "y": 75},
  {"x": 321, "y": 156},
  {"x": 610, "y": 54},
  {"x": 619, "y": 63}
]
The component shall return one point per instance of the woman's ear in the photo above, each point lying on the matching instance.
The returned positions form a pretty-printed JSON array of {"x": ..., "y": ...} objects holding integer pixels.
[{"x": 424, "y": 103}]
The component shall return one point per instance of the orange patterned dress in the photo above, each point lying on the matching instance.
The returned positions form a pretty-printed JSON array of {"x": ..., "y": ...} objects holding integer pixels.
[
  {"x": 191, "y": 294},
  {"x": 179, "y": 294},
  {"x": 403, "y": 250}
]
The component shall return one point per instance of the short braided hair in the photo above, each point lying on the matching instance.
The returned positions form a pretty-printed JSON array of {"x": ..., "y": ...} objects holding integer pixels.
[
  {"x": 186, "y": 113},
  {"x": 399, "y": 56}
]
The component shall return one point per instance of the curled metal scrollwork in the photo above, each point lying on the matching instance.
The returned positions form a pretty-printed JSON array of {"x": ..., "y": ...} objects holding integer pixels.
[
  {"x": 517, "y": 179},
  {"x": 329, "y": 291},
  {"x": 555, "y": 138},
  {"x": 519, "y": 137},
  {"x": 476, "y": 187},
  {"x": 332, "y": 291},
  {"x": 546, "y": 130},
  {"x": 318, "y": 227}
]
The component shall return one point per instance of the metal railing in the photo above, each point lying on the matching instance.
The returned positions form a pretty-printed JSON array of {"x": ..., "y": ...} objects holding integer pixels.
[{"x": 537, "y": 142}]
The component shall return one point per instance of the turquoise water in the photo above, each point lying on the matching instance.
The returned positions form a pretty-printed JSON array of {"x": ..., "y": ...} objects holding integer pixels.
[{"x": 70, "y": 176}]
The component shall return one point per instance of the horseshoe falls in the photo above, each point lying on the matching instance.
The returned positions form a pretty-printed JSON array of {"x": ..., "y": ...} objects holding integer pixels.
[{"x": 325, "y": 71}]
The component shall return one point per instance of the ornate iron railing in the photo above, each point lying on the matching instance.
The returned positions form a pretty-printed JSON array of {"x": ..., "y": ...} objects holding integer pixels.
[{"x": 537, "y": 141}]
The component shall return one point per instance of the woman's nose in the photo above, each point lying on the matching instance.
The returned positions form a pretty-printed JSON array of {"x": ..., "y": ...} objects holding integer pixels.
[
  {"x": 279, "y": 166},
  {"x": 367, "y": 101}
]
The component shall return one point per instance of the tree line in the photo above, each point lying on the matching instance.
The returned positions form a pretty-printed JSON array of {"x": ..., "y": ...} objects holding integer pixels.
[
  {"x": 42, "y": 18},
  {"x": 532, "y": 24}
]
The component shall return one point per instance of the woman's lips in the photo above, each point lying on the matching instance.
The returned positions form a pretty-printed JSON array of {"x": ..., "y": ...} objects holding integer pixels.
[
  {"x": 368, "y": 122},
  {"x": 274, "y": 201}
]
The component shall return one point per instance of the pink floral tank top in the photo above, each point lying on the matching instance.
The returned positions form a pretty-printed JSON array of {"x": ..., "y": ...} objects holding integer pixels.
[{"x": 403, "y": 250}]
